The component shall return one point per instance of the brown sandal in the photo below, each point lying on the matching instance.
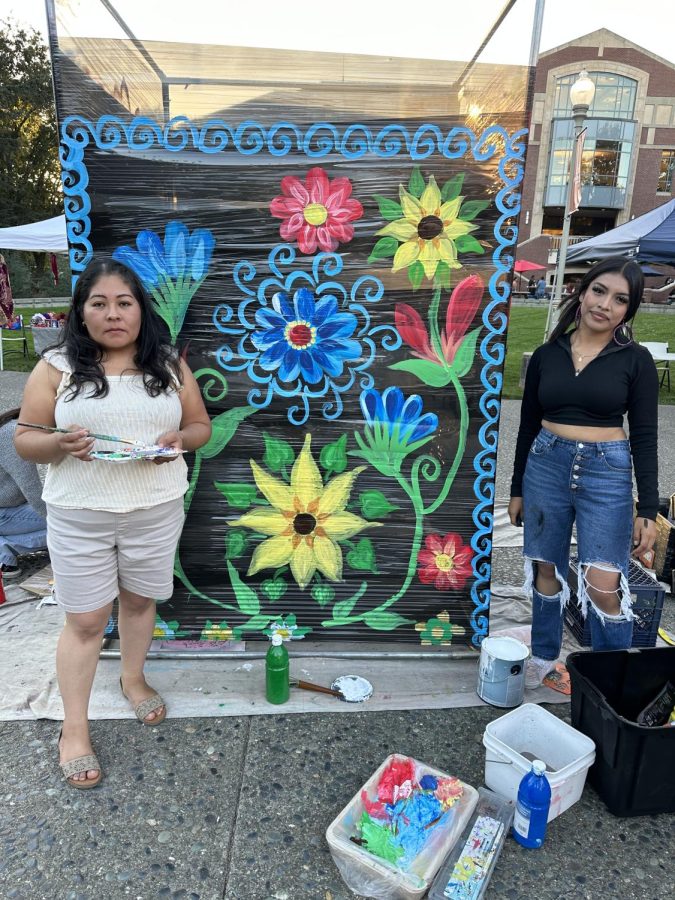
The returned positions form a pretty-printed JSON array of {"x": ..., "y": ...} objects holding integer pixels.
[
  {"x": 77, "y": 766},
  {"x": 145, "y": 707}
]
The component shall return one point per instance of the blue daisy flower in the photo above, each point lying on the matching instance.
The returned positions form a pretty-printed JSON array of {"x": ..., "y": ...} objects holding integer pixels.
[{"x": 305, "y": 338}]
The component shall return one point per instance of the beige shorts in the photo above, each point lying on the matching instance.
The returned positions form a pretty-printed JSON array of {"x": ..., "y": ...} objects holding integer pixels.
[{"x": 95, "y": 553}]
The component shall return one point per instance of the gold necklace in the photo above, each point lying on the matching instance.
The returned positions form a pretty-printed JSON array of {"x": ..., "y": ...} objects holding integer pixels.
[{"x": 582, "y": 356}]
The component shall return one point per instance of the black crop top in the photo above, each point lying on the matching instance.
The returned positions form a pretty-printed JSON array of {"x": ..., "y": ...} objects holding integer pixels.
[{"x": 619, "y": 380}]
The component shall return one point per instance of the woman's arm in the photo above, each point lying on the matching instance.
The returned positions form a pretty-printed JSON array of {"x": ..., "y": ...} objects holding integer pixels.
[
  {"x": 39, "y": 402},
  {"x": 531, "y": 415},
  {"x": 195, "y": 425},
  {"x": 643, "y": 417}
]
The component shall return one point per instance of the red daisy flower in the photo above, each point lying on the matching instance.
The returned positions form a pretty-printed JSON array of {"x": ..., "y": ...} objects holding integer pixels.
[
  {"x": 316, "y": 212},
  {"x": 445, "y": 562}
]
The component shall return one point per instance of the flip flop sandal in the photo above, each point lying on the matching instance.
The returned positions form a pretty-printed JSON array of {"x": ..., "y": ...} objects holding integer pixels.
[
  {"x": 77, "y": 766},
  {"x": 145, "y": 707}
]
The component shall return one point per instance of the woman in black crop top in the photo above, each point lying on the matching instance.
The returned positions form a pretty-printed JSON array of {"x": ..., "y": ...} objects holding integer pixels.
[{"x": 574, "y": 463}]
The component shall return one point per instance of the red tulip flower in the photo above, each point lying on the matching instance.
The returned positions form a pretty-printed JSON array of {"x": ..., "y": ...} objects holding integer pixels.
[{"x": 462, "y": 307}]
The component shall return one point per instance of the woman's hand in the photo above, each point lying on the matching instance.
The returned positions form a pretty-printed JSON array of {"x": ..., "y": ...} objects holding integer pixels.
[
  {"x": 516, "y": 511},
  {"x": 77, "y": 442},
  {"x": 644, "y": 535},
  {"x": 173, "y": 439}
]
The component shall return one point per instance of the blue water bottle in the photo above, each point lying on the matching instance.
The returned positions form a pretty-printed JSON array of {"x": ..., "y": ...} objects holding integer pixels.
[{"x": 534, "y": 800}]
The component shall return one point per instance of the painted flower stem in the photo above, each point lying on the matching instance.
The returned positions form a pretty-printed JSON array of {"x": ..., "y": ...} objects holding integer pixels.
[
  {"x": 418, "y": 507},
  {"x": 194, "y": 477},
  {"x": 180, "y": 574},
  {"x": 459, "y": 452},
  {"x": 435, "y": 330}
]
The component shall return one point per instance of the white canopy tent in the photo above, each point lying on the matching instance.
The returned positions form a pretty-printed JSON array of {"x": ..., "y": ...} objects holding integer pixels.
[{"x": 48, "y": 236}]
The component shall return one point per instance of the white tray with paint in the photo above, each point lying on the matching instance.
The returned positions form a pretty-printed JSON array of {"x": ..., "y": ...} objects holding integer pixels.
[{"x": 371, "y": 876}]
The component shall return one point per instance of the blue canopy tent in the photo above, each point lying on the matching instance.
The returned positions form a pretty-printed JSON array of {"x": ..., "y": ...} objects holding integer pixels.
[{"x": 649, "y": 238}]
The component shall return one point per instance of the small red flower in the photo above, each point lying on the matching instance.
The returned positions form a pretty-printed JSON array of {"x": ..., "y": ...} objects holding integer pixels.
[
  {"x": 316, "y": 212},
  {"x": 445, "y": 562}
]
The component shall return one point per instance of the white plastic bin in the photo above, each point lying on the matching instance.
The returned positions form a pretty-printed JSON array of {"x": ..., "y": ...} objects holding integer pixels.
[
  {"x": 533, "y": 731},
  {"x": 371, "y": 876}
]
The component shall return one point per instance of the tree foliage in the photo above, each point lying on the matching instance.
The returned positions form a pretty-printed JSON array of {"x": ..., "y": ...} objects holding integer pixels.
[{"x": 30, "y": 178}]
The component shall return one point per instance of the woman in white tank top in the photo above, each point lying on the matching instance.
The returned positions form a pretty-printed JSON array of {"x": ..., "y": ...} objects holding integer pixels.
[{"x": 112, "y": 528}]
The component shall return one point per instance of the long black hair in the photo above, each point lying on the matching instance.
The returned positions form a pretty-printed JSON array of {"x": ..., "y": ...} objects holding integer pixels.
[
  {"x": 9, "y": 415},
  {"x": 630, "y": 270},
  {"x": 155, "y": 357}
]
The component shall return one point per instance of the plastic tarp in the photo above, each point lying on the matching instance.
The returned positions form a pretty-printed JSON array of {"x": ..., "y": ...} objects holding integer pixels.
[
  {"x": 48, "y": 236},
  {"x": 329, "y": 239},
  {"x": 649, "y": 238}
]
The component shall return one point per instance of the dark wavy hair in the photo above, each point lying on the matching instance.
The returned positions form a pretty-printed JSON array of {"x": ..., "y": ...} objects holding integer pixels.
[
  {"x": 9, "y": 415},
  {"x": 155, "y": 357},
  {"x": 631, "y": 271}
]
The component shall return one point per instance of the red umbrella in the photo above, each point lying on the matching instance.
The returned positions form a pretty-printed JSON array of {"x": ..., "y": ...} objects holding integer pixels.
[{"x": 524, "y": 265}]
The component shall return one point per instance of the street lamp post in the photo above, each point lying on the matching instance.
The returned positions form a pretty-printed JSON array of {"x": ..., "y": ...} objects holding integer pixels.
[{"x": 581, "y": 97}]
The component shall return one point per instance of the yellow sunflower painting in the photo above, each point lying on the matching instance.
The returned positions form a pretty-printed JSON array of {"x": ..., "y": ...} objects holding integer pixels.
[
  {"x": 428, "y": 230},
  {"x": 305, "y": 520}
]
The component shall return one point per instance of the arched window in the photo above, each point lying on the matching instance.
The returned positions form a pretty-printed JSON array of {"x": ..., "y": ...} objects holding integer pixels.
[
  {"x": 614, "y": 96},
  {"x": 608, "y": 145}
]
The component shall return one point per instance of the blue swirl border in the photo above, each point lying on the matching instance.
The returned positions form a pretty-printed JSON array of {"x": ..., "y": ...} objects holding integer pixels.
[{"x": 351, "y": 142}]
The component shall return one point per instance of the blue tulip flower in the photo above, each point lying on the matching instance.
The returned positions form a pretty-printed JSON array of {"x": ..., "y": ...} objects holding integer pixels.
[
  {"x": 171, "y": 270},
  {"x": 395, "y": 426}
]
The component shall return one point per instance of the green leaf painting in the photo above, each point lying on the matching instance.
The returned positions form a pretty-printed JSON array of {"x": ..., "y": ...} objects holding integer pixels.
[
  {"x": 385, "y": 247},
  {"x": 374, "y": 505},
  {"x": 246, "y": 597},
  {"x": 362, "y": 557},
  {"x": 279, "y": 455},
  {"x": 428, "y": 372},
  {"x": 237, "y": 494},
  {"x": 467, "y": 350},
  {"x": 452, "y": 188},
  {"x": 333, "y": 457},
  {"x": 223, "y": 428},
  {"x": 389, "y": 209}
]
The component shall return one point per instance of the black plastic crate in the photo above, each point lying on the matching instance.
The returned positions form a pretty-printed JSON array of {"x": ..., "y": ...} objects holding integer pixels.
[
  {"x": 634, "y": 770},
  {"x": 648, "y": 597}
]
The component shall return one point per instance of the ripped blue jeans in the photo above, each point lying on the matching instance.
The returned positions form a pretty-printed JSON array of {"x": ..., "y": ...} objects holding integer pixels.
[{"x": 590, "y": 483}]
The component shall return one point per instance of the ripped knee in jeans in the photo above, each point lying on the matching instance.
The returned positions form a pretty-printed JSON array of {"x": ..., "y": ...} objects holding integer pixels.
[
  {"x": 563, "y": 592},
  {"x": 599, "y": 587}
]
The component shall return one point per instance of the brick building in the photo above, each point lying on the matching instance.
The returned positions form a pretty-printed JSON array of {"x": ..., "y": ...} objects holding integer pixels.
[{"x": 628, "y": 164}]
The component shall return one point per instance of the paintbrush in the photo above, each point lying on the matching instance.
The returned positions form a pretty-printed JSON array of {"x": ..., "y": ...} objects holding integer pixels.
[
  {"x": 100, "y": 437},
  {"x": 309, "y": 686}
]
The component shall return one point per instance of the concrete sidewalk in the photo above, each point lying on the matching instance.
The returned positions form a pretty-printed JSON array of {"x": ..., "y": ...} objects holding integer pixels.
[{"x": 237, "y": 808}]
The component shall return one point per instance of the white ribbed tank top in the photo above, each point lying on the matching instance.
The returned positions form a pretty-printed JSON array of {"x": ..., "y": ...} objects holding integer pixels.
[{"x": 130, "y": 412}]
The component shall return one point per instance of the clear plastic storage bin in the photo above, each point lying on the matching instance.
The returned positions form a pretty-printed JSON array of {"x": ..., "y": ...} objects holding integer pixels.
[{"x": 371, "y": 876}]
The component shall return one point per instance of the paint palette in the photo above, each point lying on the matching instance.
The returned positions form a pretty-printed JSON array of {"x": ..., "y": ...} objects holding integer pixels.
[{"x": 135, "y": 453}]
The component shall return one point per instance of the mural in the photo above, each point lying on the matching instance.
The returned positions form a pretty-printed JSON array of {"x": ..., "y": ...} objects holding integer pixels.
[{"x": 339, "y": 291}]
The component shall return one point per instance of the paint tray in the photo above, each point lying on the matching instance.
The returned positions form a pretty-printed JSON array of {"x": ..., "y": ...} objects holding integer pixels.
[
  {"x": 371, "y": 876},
  {"x": 467, "y": 869}
]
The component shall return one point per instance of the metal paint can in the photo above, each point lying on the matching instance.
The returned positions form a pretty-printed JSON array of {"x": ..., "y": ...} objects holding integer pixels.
[{"x": 501, "y": 671}]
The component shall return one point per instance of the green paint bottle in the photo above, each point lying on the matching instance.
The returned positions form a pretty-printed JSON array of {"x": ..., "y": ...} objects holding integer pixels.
[{"x": 277, "y": 689}]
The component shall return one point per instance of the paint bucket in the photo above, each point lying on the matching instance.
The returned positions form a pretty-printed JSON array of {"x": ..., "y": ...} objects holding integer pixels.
[{"x": 501, "y": 671}]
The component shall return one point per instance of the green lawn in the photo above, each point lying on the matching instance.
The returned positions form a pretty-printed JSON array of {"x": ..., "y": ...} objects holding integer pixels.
[{"x": 526, "y": 332}]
